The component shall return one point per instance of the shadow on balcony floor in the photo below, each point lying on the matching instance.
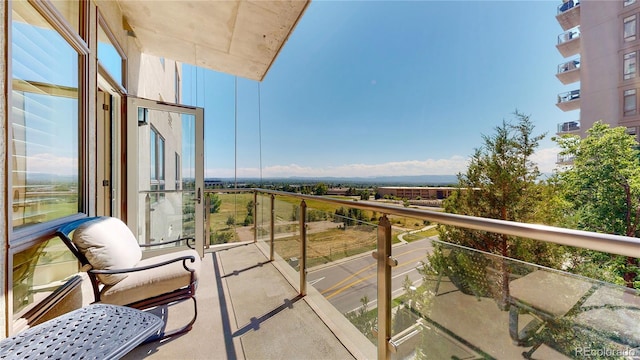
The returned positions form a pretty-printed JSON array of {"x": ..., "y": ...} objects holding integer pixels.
[{"x": 246, "y": 309}]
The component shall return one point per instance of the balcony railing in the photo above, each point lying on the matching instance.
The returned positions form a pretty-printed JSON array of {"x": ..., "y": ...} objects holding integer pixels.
[
  {"x": 568, "y": 14},
  {"x": 569, "y": 72},
  {"x": 569, "y": 42},
  {"x": 568, "y": 126},
  {"x": 567, "y": 5},
  {"x": 569, "y": 35},
  {"x": 423, "y": 297}
]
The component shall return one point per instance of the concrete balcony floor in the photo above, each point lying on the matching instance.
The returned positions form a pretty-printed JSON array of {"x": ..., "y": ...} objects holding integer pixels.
[{"x": 248, "y": 309}]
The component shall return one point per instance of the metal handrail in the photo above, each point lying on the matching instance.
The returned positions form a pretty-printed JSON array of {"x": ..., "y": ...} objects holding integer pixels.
[
  {"x": 615, "y": 244},
  {"x": 609, "y": 243}
]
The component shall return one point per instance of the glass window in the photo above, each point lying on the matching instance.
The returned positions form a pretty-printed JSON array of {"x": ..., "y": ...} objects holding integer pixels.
[
  {"x": 38, "y": 271},
  {"x": 108, "y": 56},
  {"x": 44, "y": 121},
  {"x": 629, "y": 65},
  {"x": 630, "y": 107},
  {"x": 630, "y": 28},
  {"x": 629, "y": 2}
]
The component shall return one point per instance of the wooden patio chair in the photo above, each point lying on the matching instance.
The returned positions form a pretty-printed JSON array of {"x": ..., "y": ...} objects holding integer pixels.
[{"x": 110, "y": 254}]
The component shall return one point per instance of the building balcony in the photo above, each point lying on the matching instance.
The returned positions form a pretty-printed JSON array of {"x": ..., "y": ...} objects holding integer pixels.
[
  {"x": 564, "y": 159},
  {"x": 568, "y": 127},
  {"x": 569, "y": 100},
  {"x": 569, "y": 14},
  {"x": 310, "y": 288},
  {"x": 569, "y": 42},
  {"x": 569, "y": 72}
]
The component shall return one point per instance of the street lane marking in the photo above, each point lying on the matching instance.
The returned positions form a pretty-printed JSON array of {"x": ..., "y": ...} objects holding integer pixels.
[
  {"x": 313, "y": 282},
  {"x": 366, "y": 278},
  {"x": 359, "y": 272}
]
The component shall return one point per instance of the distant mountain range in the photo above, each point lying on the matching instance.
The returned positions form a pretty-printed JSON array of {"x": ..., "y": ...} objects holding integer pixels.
[{"x": 414, "y": 180}]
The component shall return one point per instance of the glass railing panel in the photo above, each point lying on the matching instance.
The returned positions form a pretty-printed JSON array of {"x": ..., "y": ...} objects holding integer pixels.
[
  {"x": 568, "y": 96},
  {"x": 287, "y": 230},
  {"x": 466, "y": 303},
  {"x": 166, "y": 215},
  {"x": 569, "y": 126},
  {"x": 569, "y": 35},
  {"x": 568, "y": 66},
  {"x": 231, "y": 217},
  {"x": 340, "y": 242},
  {"x": 263, "y": 218},
  {"x": 567, "y": 5}
]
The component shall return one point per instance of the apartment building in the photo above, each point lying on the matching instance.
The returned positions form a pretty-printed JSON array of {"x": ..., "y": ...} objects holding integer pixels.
[{"x": 600, "y": 44}]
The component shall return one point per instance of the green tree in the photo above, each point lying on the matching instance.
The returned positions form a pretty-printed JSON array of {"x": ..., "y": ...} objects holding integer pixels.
[
  {"x": 603, "y": 187},
  {"x": 320, "y": 189},
  {"x": 215, "y": 203},
  {"x": 501, "y": 182}
]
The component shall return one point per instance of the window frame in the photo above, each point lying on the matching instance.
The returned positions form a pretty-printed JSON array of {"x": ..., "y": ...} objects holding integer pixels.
[
  {"x": 19, "y": 240},
  {"x": 628, "y": 94},
  {"x": 633, "y": 60},
  {"x": 30, "y": 234},
  {"x": 631, "y": 19}
]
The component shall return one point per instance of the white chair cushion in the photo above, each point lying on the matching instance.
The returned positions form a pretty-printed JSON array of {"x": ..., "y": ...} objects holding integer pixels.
[
  {"x": 108, "y": 244},
  {"x": 144, "y": 284}
]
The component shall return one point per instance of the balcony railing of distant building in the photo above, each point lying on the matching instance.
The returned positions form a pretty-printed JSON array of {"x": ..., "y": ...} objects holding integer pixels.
[
  {"x": 565, "y": 159},
  {"x": 568, "y": 66},
  {"x": 568, "y": 5},
  {"x": 297, "y": 219},
  {"x": 568, "y": 126},
  {"x": 568, "y": 96},
  {"x": 569, "y": 35}
]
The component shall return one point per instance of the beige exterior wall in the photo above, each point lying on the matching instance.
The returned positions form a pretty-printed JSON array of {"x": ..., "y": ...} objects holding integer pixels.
[
  {"x": 602, "y": 49},
  {"x": 601, "y": 67}
]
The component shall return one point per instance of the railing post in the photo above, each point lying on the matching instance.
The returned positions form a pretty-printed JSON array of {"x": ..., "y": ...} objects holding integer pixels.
[
  {"x": 255, "y": 216},
  {"x": 272, "y": 228},
  {"x": 302, "y": 263},
  {"x": 384, "y": 259}
]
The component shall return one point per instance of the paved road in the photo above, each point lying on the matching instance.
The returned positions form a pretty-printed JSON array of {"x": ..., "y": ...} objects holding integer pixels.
[{"x": 344, "y": 283}]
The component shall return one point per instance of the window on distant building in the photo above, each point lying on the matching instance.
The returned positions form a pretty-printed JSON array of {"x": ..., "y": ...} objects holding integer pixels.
[
  {"x": 629, "y": 2},
  {"x": 629, "y": 65},
  {"x": 157, "y": 163},
  {"x": 630, "y": 103},
  {"x": 630, "y": 28}
]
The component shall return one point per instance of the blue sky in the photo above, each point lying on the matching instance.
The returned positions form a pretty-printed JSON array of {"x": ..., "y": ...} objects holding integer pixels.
[{"x": 371, "y": 88}]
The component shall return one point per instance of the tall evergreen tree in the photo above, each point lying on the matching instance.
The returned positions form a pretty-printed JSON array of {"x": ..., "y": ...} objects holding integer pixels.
[{"x": 501, "y": 182}]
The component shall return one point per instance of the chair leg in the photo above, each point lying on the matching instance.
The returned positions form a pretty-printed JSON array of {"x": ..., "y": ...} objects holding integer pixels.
[{"x": 181, "y": 330}]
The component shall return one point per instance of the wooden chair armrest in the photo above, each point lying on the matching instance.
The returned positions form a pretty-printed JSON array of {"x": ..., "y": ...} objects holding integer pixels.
[
  {"x": 187, "y": 239},
  {"x": 147, "y": 267}
]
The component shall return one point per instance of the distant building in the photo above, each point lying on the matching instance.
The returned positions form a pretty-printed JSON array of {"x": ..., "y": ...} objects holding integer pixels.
[
  {"x": 416, "y": 192},
  {"x": 338, "y": 191},
  {"x": 601, "y": 45}
]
